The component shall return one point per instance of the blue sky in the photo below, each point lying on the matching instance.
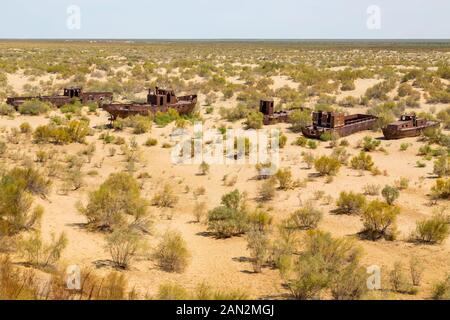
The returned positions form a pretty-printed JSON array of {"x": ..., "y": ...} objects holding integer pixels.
[{"x": 219, "y": 19}]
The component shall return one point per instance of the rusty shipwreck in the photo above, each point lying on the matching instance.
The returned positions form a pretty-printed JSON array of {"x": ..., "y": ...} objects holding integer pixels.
[
  {"x": 408, "y": 126},
  {"x": 70, "y": 95},
  {"x": 338, "y": 123},
  {"x": 266, "y": 107},
  {"x": 158, "y": 100}
]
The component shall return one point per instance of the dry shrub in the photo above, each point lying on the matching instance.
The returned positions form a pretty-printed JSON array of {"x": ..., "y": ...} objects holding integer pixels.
[
  {"x": 399, "y": 281},
  {"x": 165, "y": 198},
  {"x": 327, "y": 265},
  {"x": 306, "y": 218},
  {"x": 40, "y": 254},
  {"x": 258, "y": 246},
  {"x": 123, "y": 245},
  {"x": 351, "y": 203},
  {"x": 16, "y": 284},
  {"x": 363, "y": 161},
  {"x": 416, "y": 269},
  {"x": 433, "y": 230},
  {"x": 200, "y": 211},
  {"x": 441, "y": 290},
  {"x": 379, "y": 220},
  {"x": 390, "y": 194},
  {"x": 441, "y": 190},
  {"x": 116, "y": 198},
  {"x": 16, "y": 200},
  {"x": 267, "y": 190},
  {"x": 327, "y": 166},
  {"x": 172, "y": 253},
  {"x": 172, "y": 291},
  {"x": 284, "y": 177},
  {"x": 231, "y": 218}
]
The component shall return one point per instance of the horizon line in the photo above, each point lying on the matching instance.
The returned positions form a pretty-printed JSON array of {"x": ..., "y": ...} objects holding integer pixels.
[{"x": 232, "y": 39}]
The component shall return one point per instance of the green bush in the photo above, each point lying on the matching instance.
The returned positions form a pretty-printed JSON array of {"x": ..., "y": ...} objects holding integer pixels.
[
  {"x": 327, "y": 265},
  {"x": 172, "y": 253},
  {"x": 433, "y": 230},
  {"x": 231, "y": 218},
  {"x": 299, "y": 119},
  {"x": 369, "y": 144},
  {"x": 390, "y": 194},
  {"x": 301, "y": 141},
  {"x": 150, "y": 142},
  {"x": 25, "y": 127},
  {"x": 312, "y": 144},
  {"x": 74, "y": 107},
  {"x": 340, "y": 153},
  {"x": 254, "y": 120},
  {"x": 40, "y": 254},
  {"x": 260, "y": 220},
  {"x": 165, "y": 197},
  {"x": 363, "y": 161},
  {"x": 258, "y": 246},
  {"x": 31, "y": 180},
  {"x": 442, "y": 166},
  {"x": 308, "y": 217},
  {"x": 234, "y": 114},
  {"x": 441, "y": 290},
  {"x": 441, "y": 189},
  {"x": 171, "y": 291},
  {"x": 74, "y": 131},
  {"x": 164, "y": 118},
  {"x": 117, "y": 197},
  {"x": 16, "y": 187},
  {"x": 308, "y": 158},
  {"x": 282, "y": 141},
  {"x": 267, "y": 190},
  {"x": 284, "y": 177},
  {"x": 350, "y": 202},
  {"x": 33, "y": 107},
  {"x": 140, "y": 124},
  {"x": 204, "y": 168},
  {"x": 327, "y": 166},
  {"x": 6, "y": 109},
  {"x": 379, "y": 220}
]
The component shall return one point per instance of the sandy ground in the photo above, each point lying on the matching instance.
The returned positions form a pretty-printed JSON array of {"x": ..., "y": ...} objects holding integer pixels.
[{"x": 224, "y": 263}]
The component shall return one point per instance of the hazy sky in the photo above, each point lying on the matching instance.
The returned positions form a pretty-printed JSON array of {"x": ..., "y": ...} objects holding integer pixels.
[{"x": 212, "y": 19}]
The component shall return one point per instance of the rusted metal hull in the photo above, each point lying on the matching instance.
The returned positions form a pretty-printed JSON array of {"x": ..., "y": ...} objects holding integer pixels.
[
  {"x": 401, "y": 133},
  {"x": 353, "y": 124},
  {"x": 185, "y": 105},
  {"x": 279, "y": 117},
  {"x": 59, "y": 101}
]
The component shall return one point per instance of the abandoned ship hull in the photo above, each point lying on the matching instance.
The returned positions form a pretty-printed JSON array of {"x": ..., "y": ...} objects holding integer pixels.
[
  {"x": 59, "y": 101},
  {"x": 124, "y": 110},
  {"x": 409, "y": 132},
  {"x": 56, "y": 101},
  {"x": 353, "y": 125}
]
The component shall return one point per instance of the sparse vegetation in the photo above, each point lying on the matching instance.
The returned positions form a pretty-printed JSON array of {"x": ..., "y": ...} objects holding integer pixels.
[{"x": 172, "y": 253}]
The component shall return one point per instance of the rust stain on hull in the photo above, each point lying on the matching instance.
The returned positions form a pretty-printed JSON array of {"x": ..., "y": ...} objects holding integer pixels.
[
  {"x": 70, "y": 95},
  {"x": 408, "y": 126},
  {"x": 338, "y": 123},
  {"x": 158, "y": 100}
]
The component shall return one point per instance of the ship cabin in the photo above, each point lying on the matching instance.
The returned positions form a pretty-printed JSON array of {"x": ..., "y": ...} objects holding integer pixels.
[
  {"x": 161, "y": 97},
  {"x": 72, "y": 92},
  {"x": 266, "y": 107},
  {"x": 406, "y": 122},
  {"x": 328, "y": 120}
]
